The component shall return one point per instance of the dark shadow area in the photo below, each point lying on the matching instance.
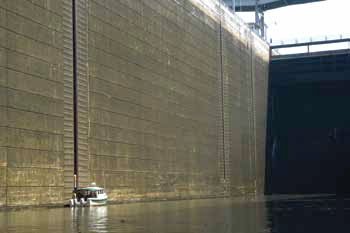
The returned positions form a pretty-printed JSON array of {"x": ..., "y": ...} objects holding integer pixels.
[
  {"x": 319, "y": 214},
  {"x": 308, "y": 138}
]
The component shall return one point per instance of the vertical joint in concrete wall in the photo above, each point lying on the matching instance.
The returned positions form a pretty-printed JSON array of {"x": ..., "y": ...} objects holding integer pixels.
[
  {"x": 75, "y": 95},
  {"x": 253, "y": 121},
  {"x": 7, "y": 117},
  {"x": 222, "y": 103},
  {"x": 224, "y": 165},
  {"x": 81, "y": 91},
  {"x": 68, "y": 136}
]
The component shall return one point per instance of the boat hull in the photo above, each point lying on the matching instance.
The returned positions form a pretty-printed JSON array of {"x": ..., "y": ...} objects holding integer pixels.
[
  {"x": 89, "y": 196},
  {"x": 97, "y": 202},
  {"x": 89, "y": 202}
]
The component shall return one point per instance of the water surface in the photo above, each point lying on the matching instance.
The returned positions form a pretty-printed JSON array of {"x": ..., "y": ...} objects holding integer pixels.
[{"x": 250, "y": 215}]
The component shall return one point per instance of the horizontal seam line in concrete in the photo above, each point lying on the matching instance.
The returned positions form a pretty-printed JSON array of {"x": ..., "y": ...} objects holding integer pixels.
[
  {"x": 184, "y": 172},
  {"x": 150, "y": 108},
  {"x": 133, "y": 158},
  {"x": 134, "y": 131},
  {"x": 154, "y": 72},
  {"x": 145, "y": 107},
  {"x": 150, "y": 70},
  {"x": 139, "y": 91},
  {"x": 193, "y": 120},
  {"x": 24, "y": 110},
  {"x": 32, "y": 75},
  {"x": 155, "y": 122},
  {"x": 127, "y": 75},
  {"x": 210, "y": 79},
  {"x": 33, "y": 112},
  {"x": 121, "y": 142},
  {"x": 37, "y": 57},
  {"x": 135, "y": 171},
  {"x": 24, "y": 148},
  {"x": 126, "y": 87},
  {"x": 121, "y": 100},
  {"x": 35, "y": 167},
  {"x": 30, "y": 19},
  {"x": 118, "y": 127},
  {"x": 35, "y": 186},
  {"x": 138, "y": 144},
  {"x": 51, "y": 99},
  {"x": 123, "y": 114},
  {"x": 31, "y": 38},
  {"x": 190, "y": 14},
  {"x": 34, "y": 131},
  {"x": 124, "y": 156},
  {"x": 156, "y": 48},
  {"x": 115, "y": 12},
  {"x": 27, "y": 55},
  {"x": 98, "y": 49},
  {"x": 45, "y": 8}
]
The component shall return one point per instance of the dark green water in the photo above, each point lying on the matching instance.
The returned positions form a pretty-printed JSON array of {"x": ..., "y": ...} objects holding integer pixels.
[{"x": 278, "y": 214}]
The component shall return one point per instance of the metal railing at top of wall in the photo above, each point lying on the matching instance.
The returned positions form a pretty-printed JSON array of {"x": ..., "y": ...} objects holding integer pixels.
[
  {"x": 310, "y": 45},
  {"x": 296, "y": 41}
]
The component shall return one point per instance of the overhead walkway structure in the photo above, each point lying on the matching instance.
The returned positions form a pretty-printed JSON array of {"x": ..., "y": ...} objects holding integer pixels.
[
  {"x": 312, "y": 46},
  {"x": 259, "y": 7},
  {"x": 250, "y": 5}
]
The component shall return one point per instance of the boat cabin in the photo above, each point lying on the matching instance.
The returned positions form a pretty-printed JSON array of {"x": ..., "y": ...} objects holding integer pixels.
[
  {"x": 89, "y": 192},
  {"x": 88, "y": 196}
]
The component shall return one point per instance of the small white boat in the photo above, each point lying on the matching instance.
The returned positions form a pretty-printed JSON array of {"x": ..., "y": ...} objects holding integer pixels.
[{"x": 89, "y": 196}]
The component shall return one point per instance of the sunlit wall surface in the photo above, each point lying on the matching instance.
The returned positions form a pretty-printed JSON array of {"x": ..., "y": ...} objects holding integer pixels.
[
  {"x": 245, "y": 71},
  {"x": 171, "y": 100},
  {"x": 31, "y": 102}
]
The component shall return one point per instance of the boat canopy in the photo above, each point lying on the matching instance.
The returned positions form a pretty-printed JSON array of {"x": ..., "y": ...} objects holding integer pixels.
[{"x": 91, "y": 189}]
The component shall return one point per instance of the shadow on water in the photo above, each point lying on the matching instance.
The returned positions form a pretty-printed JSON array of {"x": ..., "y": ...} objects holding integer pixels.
[
  {"x": 277, "y": 214},
  {"x": 317, "y": 214}
]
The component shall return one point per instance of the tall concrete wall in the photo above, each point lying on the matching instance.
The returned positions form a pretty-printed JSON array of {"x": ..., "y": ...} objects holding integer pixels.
[
  {"x": 171, "y": 100},
  {"x": 153, "y": 99},
  {"x": 31, "y": 102}
]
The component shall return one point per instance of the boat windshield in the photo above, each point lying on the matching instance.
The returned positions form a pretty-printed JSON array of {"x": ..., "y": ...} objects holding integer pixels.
[{"x": 86, "y": 194}]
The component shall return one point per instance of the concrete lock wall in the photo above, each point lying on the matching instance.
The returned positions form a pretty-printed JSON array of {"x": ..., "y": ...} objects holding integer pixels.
[
  {"x": 171, "y": 98},
  {"x": 31, "y": 102}
]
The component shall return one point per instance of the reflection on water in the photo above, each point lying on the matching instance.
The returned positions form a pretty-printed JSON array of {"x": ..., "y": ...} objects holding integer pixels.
[
  {"x": 92, "y": 219},
  {"x": 285, "y": 215}
]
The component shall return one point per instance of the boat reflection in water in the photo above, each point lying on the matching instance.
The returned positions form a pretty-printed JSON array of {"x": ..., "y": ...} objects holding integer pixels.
[
  {"x": 89, "y": 219},
  {"x": 212, "y": 216}
]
